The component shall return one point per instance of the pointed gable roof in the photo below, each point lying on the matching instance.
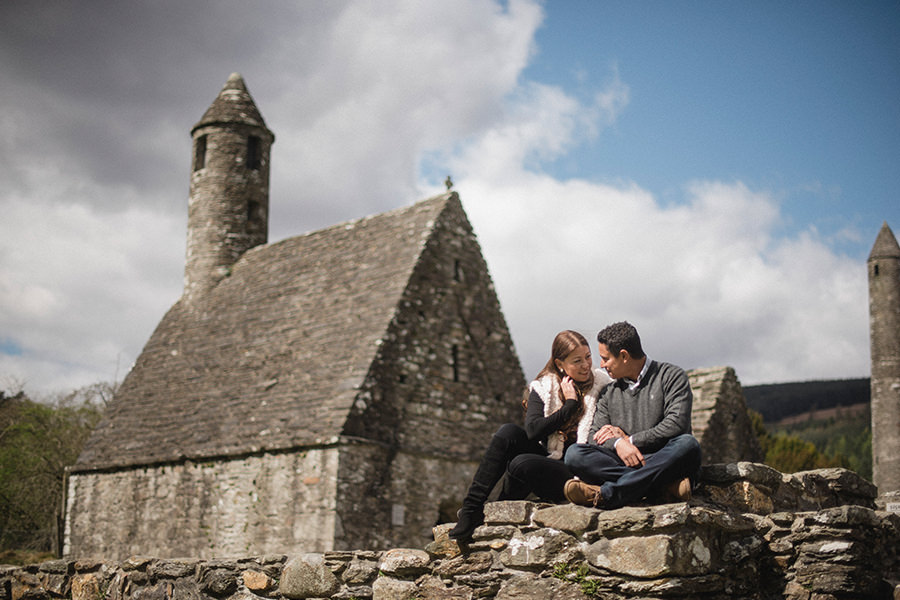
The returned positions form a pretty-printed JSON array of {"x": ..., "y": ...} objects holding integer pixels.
[
  {"x": 233, "y": 105},
  {"x": 885, "y": 244},
  {"x": 719, "y": 417},
  {"x": 272, "y": 358}
]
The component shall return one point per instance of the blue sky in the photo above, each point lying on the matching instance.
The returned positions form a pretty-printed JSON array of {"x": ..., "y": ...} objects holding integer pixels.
[
  {"x": 801, "y": 97},
  {"x": 714, "y": 172}
]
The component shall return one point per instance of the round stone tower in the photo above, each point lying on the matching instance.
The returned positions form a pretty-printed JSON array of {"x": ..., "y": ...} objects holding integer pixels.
[
  {"x": 228, "y": 210},
  {"x": 884, "y": 333}
]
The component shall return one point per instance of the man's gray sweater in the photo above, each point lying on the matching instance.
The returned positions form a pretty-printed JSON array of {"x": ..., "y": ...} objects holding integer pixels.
[{"x": 658, "y": 410}]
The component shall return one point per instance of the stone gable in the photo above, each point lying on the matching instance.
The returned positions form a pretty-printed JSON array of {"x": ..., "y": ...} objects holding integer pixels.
[{"x": 719, "y": 417}]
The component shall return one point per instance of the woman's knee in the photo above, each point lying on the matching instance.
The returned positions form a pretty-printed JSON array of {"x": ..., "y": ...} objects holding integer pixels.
[
  {"x": 509, "y": 436},
  {"x": 519, "y": 466}
]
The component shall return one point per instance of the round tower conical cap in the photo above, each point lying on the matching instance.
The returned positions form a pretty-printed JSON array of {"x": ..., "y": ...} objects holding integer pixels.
[
  {"x": 885, "y": 245},
  {"x": 233, "y": 105}
]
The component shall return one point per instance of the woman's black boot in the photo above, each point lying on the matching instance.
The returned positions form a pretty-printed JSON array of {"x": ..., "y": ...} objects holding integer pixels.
[
  {"x": 467, "y": 520},
  {"x": 489, "y": 472}
]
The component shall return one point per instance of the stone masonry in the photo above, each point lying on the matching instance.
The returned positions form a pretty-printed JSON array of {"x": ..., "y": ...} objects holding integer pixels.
[
  {"x": 884, "y": 338},
  {"x": 748, "y": 533}
]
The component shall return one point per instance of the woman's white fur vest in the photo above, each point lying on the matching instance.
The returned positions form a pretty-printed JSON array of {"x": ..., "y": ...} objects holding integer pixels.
[{"x": 547, "y": 387}]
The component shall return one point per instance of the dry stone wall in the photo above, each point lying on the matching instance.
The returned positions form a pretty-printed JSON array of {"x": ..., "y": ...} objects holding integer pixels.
[{"x": 750, "y": 532}]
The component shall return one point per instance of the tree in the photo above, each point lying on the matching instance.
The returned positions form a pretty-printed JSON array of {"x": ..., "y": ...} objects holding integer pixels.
[
  {"x": 816, "y": 445},
  {"x": 38, "y": 440}
]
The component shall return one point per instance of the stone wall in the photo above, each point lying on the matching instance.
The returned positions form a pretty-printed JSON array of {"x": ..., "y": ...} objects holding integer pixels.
[
  {"x": 750, "y": 532},
  {"x": 273, "y": 502},
  {"x": 719, "y": 418},
  {"x": 352, "y": 495}
]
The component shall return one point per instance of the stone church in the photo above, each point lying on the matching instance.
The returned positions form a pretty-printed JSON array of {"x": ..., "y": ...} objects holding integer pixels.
[{"x": 329, "y": 391}]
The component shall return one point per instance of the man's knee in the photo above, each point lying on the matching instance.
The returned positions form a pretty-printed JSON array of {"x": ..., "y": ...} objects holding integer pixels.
[
  {"x": 686, "y": 443},
  {"x": 576, "y": 455},
  {"x": 686, "y": 447}
]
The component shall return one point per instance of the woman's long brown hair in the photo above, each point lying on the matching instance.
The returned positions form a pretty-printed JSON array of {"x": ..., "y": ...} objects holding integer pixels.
[{"x": 563, "y": 345}]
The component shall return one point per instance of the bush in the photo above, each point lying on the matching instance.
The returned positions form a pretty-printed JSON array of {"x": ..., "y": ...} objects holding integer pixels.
[{"x": 37, "y": 442}]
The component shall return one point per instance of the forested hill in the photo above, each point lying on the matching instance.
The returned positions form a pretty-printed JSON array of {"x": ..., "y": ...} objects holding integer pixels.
[{"x": 777, "y": 401}]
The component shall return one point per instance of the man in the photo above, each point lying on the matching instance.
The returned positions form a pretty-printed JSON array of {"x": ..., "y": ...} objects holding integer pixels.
[{"x": 640, "y": 443}]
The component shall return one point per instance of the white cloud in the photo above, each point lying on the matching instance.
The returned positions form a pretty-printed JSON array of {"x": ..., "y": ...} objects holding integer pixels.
[
  {"x": 705, "y": 281},
  {"x": 80, "y": 290},
  {"x": 389, "y": 82}
]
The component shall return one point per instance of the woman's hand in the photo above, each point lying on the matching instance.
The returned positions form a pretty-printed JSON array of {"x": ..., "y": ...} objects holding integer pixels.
[{"x": 567, "y": 385}]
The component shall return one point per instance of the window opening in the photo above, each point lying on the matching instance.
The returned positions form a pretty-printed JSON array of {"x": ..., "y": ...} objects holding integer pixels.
[
  {"x": 253, "y": 152},
  {"x": 200, "y": 153}
]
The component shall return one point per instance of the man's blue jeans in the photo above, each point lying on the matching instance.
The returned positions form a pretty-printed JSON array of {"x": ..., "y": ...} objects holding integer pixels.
[{"x": 621, "y": 485}]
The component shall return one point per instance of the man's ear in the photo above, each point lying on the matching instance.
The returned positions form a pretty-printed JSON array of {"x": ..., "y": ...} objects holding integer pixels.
[{"x": 624, "y": 355}]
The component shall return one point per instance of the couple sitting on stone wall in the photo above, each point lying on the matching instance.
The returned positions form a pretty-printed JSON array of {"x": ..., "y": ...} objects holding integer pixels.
[{"x": 596, "y": 437}]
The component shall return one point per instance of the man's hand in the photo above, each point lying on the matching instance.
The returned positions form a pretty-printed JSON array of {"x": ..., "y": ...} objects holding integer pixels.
[
  {"x": 608, "y": 432},
  {"x": 629, "y": 453}
]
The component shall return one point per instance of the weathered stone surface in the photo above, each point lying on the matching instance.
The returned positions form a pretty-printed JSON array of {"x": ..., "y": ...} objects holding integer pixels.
[
  {"x": 404, "y": 561},
  {"x": 539, "y": 548},
  {"x": 566, "y": 517},
  {"x": 389, "y": 588},
  {"x": 85, "y": 587},
  {"x": 682, "y": 550},
  {"x": 533, "y": 588},
  {"x": 443, "y": 546},
  {"x": 756, "y": 488},
  {"x": 741, "y": 471},
  {"x": 628, "y": 520},
  {"x": 508, "y": 513},
  {"x": 307, "y": 576},
  {"x": 218, "y": 582},
  {"x": 719, "y": 419},
  {"x": 432, "y": 588},
  {"x": 476, "y": 562},
  {"x": 256, "y": 581},
  {"x": 360, "y": 571},
  {"x": 654, "y": 555},
  {"x": 172, "y": 568}
]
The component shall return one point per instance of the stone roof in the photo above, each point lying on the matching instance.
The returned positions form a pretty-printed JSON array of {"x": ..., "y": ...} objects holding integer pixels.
[
  {"x": 885, "y": 245},
  {"x": 233, "y": 105},
  {"x": 271, "y": 358}
]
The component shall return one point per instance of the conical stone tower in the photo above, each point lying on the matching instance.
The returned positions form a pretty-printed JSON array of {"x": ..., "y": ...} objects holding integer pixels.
[
  {"x": 884, "y": 332},
  {"x": 228, "y": 210}
]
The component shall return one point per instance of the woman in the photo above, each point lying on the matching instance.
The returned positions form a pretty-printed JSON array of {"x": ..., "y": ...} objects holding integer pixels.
[{"x": 559, "y": 407}]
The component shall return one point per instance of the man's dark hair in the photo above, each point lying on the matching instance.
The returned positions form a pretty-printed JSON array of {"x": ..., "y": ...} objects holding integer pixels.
[{"x": 621, "y": 336}]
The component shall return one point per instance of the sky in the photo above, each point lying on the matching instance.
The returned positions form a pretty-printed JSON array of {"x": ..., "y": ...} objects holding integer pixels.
[{"x": 713, "y": 172}]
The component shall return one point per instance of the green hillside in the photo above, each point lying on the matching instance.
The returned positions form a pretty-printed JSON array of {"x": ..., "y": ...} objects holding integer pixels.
[{"x": 814, "y": 424}]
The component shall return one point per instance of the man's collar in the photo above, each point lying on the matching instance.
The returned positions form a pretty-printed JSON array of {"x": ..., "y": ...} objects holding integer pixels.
[{"x": 633, "y": 384}]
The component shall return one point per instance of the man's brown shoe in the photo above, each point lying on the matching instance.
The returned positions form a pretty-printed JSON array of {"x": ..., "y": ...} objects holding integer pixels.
[
  {"x": 585, "y": 494},
  {"x": 678, "y": 491}
]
